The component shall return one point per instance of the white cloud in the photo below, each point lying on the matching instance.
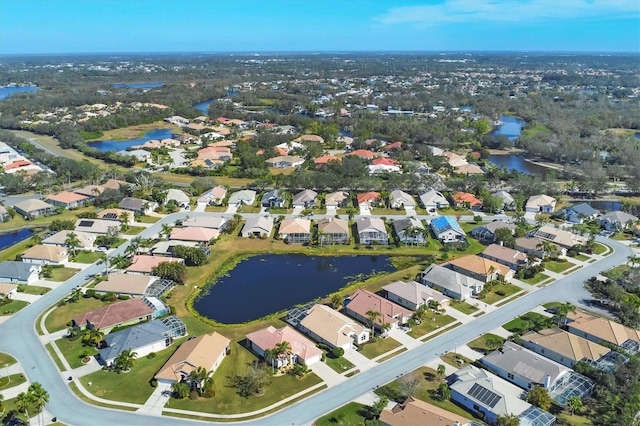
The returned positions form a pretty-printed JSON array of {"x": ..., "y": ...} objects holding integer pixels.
[{"x": 469, "y": 11}]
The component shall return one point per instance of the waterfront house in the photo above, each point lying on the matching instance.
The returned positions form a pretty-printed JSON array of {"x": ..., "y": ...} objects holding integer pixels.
[
  {"x": 410, "y": 230},
  {"x": 67, "y": 200},
  {"x": 333, "y": 231},
  {"x": 363, "y": 301},
  {"x": 301, "y": 348},
  {"x": 412, "y": 295},
  {"x": 258, "y": 227},
  {"x": 447, "y": 230},
  {"x": 578, "y": 213},
  {"x": 134, "y": 285},
  {"x": 540, "y": 204},
  {"x": 144, "y": 264},
  {"x": 371, "y": 230},
  {"x": 450, "y": 283},
  {"x": 326, "y": 325},
  {"x": 32, "y": 208},
  {"x": 12, "y": 271},
  {"x": 295, "y": 231},
  {"x": 59, "y": 239}
]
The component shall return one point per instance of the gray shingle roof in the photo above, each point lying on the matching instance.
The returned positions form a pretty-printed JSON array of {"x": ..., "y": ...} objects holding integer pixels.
[
  {"x": 133, "y": 337},
  {"x": 14, "y": 270}
]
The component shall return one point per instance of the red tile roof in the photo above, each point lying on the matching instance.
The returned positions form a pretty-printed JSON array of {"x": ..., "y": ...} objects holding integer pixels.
[
  {"x": 368, "y": 197},
  {"x": 115, "y": 314}
]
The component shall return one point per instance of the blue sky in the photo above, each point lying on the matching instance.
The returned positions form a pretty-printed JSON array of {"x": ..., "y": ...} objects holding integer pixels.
[{"x": 101, "y": 26}]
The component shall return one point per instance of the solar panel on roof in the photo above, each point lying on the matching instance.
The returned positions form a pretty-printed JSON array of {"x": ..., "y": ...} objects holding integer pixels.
[
  {"x": 484, "y": 395},
  {"x": 110, "y": 216},
  {"x": 87, "y": 223}
]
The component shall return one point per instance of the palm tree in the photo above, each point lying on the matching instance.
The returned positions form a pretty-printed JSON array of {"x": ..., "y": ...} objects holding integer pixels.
[
  {"x": 270, "y": 354},
  {"x": 441, "y": 371},
  {"x": 574, "y": 403},
  {"x": 23, "y": 401},
  {"x": 198, "y": 378},
  {"x": 508, "y": 420},
  {"x": 124, "y": 361},
  {"x": 36, "y": 239},
  {"x": 283, "y": 351},
  {"x": 93, "y": 336},
  {"x": 562, "y": 312},
  {"x": 39, "y": 397},
  {"x": 373, "y": 316},
  {"x": 72, "y": 241},
  {"x": 166, "y": 230},
  {"x": 76, "y": 294},
  {"x": 433, "y": 305},
  {"x": 118, "y": 261}
]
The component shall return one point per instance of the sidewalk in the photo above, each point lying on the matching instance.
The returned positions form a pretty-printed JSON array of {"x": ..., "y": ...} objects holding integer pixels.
[
  {"x": 406, "y": 340},
  {"x": 361, "y": 362},
  {"x": 52, "y": 337}
]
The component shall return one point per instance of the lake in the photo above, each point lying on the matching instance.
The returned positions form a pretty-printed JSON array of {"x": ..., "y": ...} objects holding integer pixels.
[
  {"x": 117, "y": 145},
  {"x": 6, "y": 92},
  {"x": 10, "y": 238},
  {"x": 517, "y": 163},
  {"x": 135, "y": 86},
  {"x": 203, "y": 106},
  {"x": 262, "y": 285},
  {"x": 511, "y": 127},
  {"x": 600, "y": 205},
  {"x": 637, "y": 135}
]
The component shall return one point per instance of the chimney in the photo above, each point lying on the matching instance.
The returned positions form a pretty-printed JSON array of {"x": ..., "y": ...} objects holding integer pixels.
[
  {"x": 547, "y": 381},
  {"x": 501, "y": 243}
]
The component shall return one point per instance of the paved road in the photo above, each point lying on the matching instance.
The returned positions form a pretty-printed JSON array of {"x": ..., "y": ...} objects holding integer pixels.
[{"x": 19, "y": 338}]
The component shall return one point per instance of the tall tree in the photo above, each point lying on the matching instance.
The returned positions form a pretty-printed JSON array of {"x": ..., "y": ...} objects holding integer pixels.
[
  {"x": 73, "y": 242},
  {"x": 574, "y": 403},
  {"x": 539, "y": 397},
  {"x": 372, "y": 316},
  {"x": 508, "y": 420},
  {"x": 125, "y": 360},
  {"x": 38, "y": 397}
]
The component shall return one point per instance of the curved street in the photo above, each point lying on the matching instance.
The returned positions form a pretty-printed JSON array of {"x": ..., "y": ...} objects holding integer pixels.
[{"x": 19, "y": 338}]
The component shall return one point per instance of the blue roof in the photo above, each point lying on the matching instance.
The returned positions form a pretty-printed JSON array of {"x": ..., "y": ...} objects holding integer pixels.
[{"x": 443, "y": 223}]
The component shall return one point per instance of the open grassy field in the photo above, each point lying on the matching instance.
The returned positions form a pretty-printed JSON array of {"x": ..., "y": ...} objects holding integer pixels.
[{"x": 137, "y": 131}]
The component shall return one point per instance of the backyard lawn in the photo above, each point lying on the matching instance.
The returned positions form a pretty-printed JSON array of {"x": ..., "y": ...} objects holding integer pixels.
[
  {"x": 499, "y": 292},
  {"x": 430, "y": 324},
  {"x": 12, "y": 307},
  {"x": 33, "y": 289},
  {"x": 59, "y": 317},
  {"x": 74, "y": 350},
  {"x": 62, "y": 274},
  {"x": 352, "y": 414},
  {"x": 379, "y": 347},
  {"x": 226, "y": 398}
]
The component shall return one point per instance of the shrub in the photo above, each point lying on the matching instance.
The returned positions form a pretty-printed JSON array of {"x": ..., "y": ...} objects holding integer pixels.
[
  {"x": 337, "y": 352},
  {"x": 193, "y": 395},
  {"x": 123, "y": 297},
  {"x": 153, "y": 383},
  {"x": 90, "y": 293}
]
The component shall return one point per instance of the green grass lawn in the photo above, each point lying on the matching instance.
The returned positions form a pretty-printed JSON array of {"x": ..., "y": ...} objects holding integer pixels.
[
  {"x": 55, "y": 357},
  {"x": 276, "y": 210},
  {"x": 11, "y": 405},
  {"x": 134, "y": 230},
  {"x": 12, "y": 307},
  {"x": 551, "y": 305},
  {"x": 380, "y": 211},
  {"x": 536, "y": 279},
  {"x": 340, "y": 365},
  {"x": 557, "y": 266},
  {"x": 527, "y": 322},
  {"x": 73, "y": 351},
  {"x": 600, "y": 248},
  {"x": 59, "y": 317},
  {"x": 352, "y": 414},
  {"x": 379, "y": 347},
  {"x": 148, "y": 219},
  {"x": 481, "y": 343},
  {"x": 216, "y": 209},
  {"x": 430, "y": 324},
  {"x": 617, "y": 272},
  {"x": 249, "y": 209},
  {"x": 33, "y": 289},
  {"x": 227, "y": 401},
  {"x": 6, "y": 360},
  {"x": 87, "y": 257},
  {"x": 499, "y": 292},
  {"x": 131, "y": 387},
  {"x": 581, "y": 257},
  {"x": 456, "y": 360},
  {"x": 426, "y": 392},
  {"x": 463, "y": 307},
  {"x": 11, "y": 381},
  {"x": 62, "y": 274}
]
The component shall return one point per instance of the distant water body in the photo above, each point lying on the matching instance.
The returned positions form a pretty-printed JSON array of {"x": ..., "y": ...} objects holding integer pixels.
[
  {"x": 511, "y": 127},
  {"x": 10, "y": 238},
  {"x": 6, "y": 92},
  {"x": 116, "y": 145},
  {"x": 517, "y": 163},
  {"x": 148, "y": 85},
  {"x": 203, "y": 106}
]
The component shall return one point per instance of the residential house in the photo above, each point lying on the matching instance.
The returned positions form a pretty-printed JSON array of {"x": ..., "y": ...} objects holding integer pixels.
[
  {"x": 273, "y": 198},
  {"x": 285, "y": 161},
  {"x": 563, "y": 347},
  {"x": 372, "y": 230},
  {"x": 305, "y": 199},
  {"x": 365, "y": 154},
  {"x": 308, "y": 138},
  {"x": 486, "y": 233},
  {"x": 194, "y": 233},
  {"x": 32, "y": 208},
  {"x": 97, "y": 226},
  {"x": 117, "y": 215},
  {"x": 369, "y": 199},
  {"x": 138, "y": 205},
  {"x": 333, "y": 231},
  {"x": 8, "y": 290},
  {"x": 4, "y": 214},
  {"x": 133, "y": 285},
  {"x": 558, "y": 236},
  {"x": 206, "y": 351},
  {"x": 410, "y": 230},
  {"x": 12, "y": 271},
  {"x": 60, "y": 239},
  {"x": 599, "y": 330},
  {"x": 400, "y": 199},
  {"x": 508, "y": 202},
  {"x": 168, "y": 248},
  {"x": 181, "y": 199},
  {"x": 577, "y": 213},
  {"x": 144, "y": 264},
  {"x": 540, "y": 204},
  {"x": 469, "y": 169},
  {"x": 115, "y": 184},
  {"x": 447, "y": 230},
  {"x": 534, "y": 246},
  {"x": 617, "y": 221},
  {"x": 412, "y": 295},
  {"x": 141, "y": 155},
  {"x": 213, "y": 197},
  {"x": 46, "y": 255},
  {"x": 389, "y": 314},
  {"x": 529, "y": 370},
  {"x": 143, "y": 339},
  {"x": 481, "y": 268},
  {"x": 326, "y": 325},
  {"x": 67, "y": 200},
  {"x": 509, "y": 257},
  {"x": 414, "y": 412},
  {"x": 336, "y": 199},
  {"x": 245, "y": 196},
  {"x": 258, "y": 227},
  {"x": 211, "y": 222},
  {"x": 117, "y": 314},
  {"x": 433, "y": 200},
  {"x": 295, "y": 231},
  {"x": 466, "y": 200},
  {"x": 302, "y": 349},
  {"x": 324, "y": 160},
  {"x": 488, "y": 397},
  {"x": 450, "y": 283}
]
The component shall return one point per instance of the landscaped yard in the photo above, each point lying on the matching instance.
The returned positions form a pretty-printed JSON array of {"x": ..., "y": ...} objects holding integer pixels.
[
  {"x": 463, "y": 307},
  {"x": 581, "y": 257},
  {"x": 87, "y": 256},
  {"x": 527, "y": 322},
  {"x": 147, "y": 219},
  {"x": 216, "y": 209},
  {"x": 6, "y": 360},
  {"x": 536, "y": 279},
  {"x": 131, "y": 387},
  {"x": 379, "y": 347},
  {"x": 62, "y": 274},
  {"x": 340, "y": 365},
  {"x": 600, "y": 248},
  {"x": 352, "y": 414},
  {"x": 74, "y": 350},
  {"x": 226, "y": 398},
  {"x": 134, "y": 230},
  {"x": 430, "y": 324},
  {"x": 59, "y": 317},
  {"x": 249, "y": 209},
  {"x": 11, "y": 381},
  {"x": 12, "y": 307},
  {"x": 486, "y": 343},
  {"x": 558, "y": 266},
  {"x": 499, "y": 292},
  {"x": 33, "y": 289},
  {"x": 380, "y": 211},
  {"x": 456, "y": 360}
]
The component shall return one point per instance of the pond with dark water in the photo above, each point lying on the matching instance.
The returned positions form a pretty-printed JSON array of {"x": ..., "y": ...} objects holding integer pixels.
[
  {"x": 119, "y": 145},
  {"x": 265, "y": 284},
  {"x": 10, "y": 238},
  {"x": 518, "y": 163},
  {"x": 511, "y": 127},
  {"x": 203, "y": 106}
]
